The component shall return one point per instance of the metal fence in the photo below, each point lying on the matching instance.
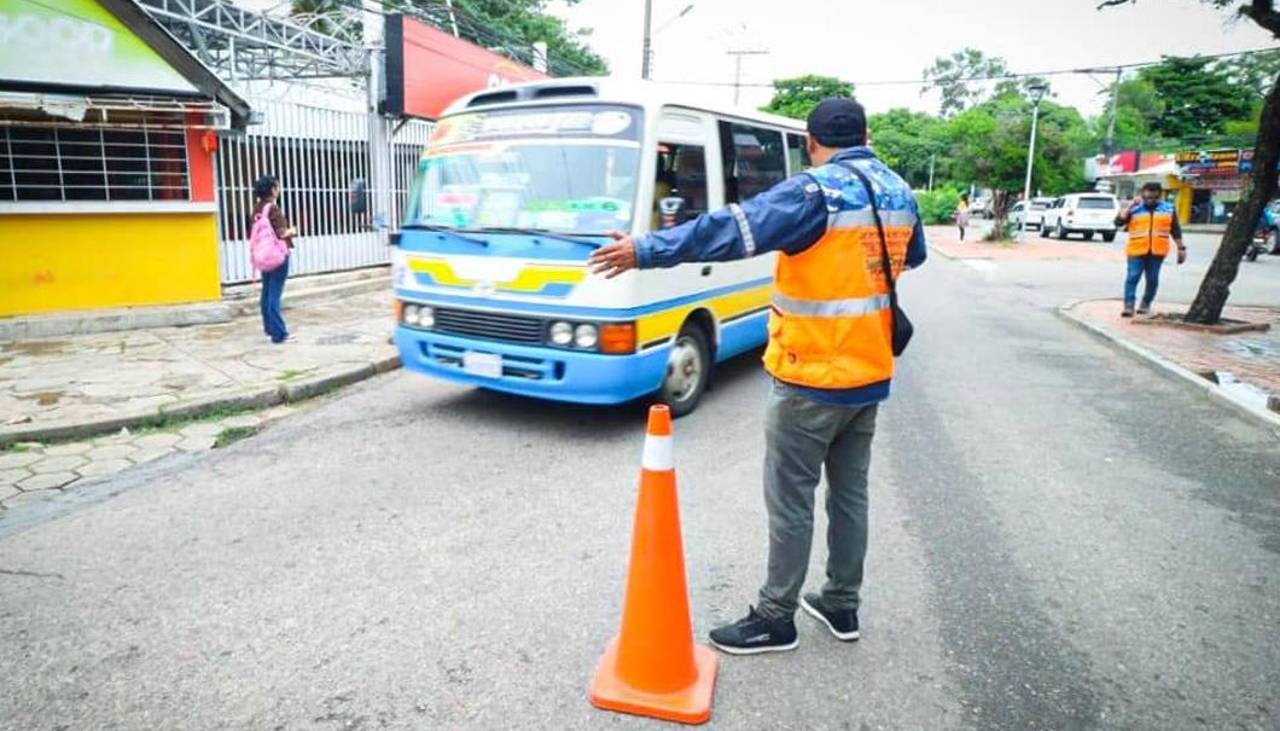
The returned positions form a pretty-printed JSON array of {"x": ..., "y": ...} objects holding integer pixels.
[{"x": 317, "y": 154}]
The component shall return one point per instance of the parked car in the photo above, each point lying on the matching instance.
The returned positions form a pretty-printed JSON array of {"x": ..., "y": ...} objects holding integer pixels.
[
  {"x": 1034, "y": 217},
  {"x": 980, "y": 208},
  {"x": 1082, "y": 213}
]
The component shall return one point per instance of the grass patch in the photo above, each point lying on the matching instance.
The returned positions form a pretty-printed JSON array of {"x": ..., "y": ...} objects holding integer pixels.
[
  {"x": 14, "y": 448},
  {"x": 290, "y": 375},
  {"x": 234, "y": 434}
]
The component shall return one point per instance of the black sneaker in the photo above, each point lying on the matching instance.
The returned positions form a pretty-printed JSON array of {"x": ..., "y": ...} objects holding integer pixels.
[
  {"x": 755, "y": 634},
  {"x": 843, "y": 623},
  {"x": 1127, "y": 312},
  {"x": 1144, "y": 309}
]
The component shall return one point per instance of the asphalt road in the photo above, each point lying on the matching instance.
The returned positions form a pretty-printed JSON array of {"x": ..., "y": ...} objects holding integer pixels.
[{"x": 1061, "y": 540}]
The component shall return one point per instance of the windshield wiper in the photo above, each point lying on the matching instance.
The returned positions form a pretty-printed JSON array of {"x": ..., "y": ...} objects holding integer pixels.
[
  {"x": 436, "y": 228},
  {"x": 571, "y": 238}
]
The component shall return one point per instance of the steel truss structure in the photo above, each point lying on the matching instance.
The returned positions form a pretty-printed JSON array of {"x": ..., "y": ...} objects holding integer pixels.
[{"x": 241, "y": 45}]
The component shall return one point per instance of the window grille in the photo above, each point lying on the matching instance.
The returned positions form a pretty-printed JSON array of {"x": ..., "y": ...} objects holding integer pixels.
[{"x": 92, "y": 164}]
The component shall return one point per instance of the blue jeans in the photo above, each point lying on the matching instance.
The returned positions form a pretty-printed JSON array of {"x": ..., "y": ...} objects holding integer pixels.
[
  {"x": 1149, "y": 265},
  {"x": 272, "y": 291}
]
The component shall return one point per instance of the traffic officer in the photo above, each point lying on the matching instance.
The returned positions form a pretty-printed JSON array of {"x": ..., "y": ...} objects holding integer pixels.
[
  {"x": 829, "y": 354},
  {"x": 1151, "y": 222}
]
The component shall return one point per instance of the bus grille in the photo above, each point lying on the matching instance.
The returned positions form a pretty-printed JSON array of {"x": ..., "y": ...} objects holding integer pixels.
[{"x": 491, "y": 325}]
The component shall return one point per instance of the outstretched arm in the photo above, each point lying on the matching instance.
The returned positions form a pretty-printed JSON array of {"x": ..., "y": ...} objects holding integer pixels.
[{"x": 790, "y": 217}]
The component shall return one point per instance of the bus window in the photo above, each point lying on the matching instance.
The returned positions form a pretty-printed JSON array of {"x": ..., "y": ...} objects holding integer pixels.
[
  {"x": 797, "y": 154},
  {"x": 681, "y": 173},
  {"x": 753, "y": 159}
]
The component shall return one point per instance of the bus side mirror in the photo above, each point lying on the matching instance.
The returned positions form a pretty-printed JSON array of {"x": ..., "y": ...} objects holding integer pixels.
[
  {"x": 671, "y": 211},
  {"x": 358, "y": 197}
]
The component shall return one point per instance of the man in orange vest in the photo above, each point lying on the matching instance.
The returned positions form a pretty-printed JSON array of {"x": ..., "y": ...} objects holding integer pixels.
[
  {"x": 830, "y": 354},
  {"x": 1151, "y": 222}
]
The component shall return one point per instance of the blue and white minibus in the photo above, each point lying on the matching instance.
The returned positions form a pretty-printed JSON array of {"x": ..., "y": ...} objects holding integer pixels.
[{"x": 518, "y": 186}]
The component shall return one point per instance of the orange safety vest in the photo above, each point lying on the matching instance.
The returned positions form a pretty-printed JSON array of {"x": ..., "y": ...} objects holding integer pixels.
[
  {"x": 829, "y": 324},
  {"x": 1149, "y": 231}
]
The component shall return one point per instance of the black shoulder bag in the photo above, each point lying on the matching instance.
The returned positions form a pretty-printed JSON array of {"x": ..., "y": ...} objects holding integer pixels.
[{"x": 901, "y": 325}]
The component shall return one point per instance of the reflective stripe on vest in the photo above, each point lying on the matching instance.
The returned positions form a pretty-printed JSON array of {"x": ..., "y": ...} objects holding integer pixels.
[
  {"x": 853, "y": 307},
  {"x": 829, "y": 326}
]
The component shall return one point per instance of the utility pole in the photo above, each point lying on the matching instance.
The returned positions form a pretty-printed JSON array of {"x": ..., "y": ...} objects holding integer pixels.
[
  {"x": 1108, "y": 146},
  {"x": 379, "y": 137},
  {"x": 931, "y": 158},
  {"x": 453, "y": 19},
  {"x": 648, "y": 21},
  {"x": 737, "y": 73}
]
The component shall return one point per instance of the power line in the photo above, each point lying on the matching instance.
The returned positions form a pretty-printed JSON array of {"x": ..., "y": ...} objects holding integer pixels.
[{"x": 992, "y": 77}]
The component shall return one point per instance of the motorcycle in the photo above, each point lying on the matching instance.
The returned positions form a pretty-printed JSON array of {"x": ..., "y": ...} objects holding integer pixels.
[{"x": 1258, "y": 244}]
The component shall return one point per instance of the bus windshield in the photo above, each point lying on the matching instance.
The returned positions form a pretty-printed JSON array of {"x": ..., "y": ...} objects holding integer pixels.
[{"x": 567, "y": 169}]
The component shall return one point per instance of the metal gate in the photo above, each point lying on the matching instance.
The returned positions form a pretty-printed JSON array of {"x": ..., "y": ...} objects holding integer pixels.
[{"x": 317, "y": 154}]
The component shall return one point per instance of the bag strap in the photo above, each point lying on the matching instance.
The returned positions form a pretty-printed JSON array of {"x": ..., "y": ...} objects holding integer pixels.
[{"x": 885, "y": 262}]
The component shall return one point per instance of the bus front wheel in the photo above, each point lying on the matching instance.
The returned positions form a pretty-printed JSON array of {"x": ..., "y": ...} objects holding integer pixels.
[{"x": 688, "y": 371}]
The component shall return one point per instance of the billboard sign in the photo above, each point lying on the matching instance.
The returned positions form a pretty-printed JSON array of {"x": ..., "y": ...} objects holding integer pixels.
[
  {"x": 78, "y": 44},
  {"x": 427, "y": 69},
  {"x": 1208, "y": 161}
]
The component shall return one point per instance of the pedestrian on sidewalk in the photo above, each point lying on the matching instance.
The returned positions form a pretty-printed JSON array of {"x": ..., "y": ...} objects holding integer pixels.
[
  {"x": 830, "y": 353},
  {"x": 1151, "y": 222},
  {"x": 266, "y": 191},
  {"x": 962, "y": 214}
]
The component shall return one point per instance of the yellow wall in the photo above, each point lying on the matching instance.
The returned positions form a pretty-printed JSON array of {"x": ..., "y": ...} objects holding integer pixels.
[{"x": 74, "y": 261}]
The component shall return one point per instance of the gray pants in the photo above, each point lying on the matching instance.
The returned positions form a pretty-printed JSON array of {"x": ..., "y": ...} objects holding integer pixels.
[{"x": 802, "y": 435}]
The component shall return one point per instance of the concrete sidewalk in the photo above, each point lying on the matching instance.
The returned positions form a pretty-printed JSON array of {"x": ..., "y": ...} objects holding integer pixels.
[{"x": 85, "y": 385}]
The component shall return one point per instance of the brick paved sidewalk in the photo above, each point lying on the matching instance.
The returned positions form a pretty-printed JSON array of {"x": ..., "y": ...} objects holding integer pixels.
[
  {"x": 946, "y": 241},
  {"x": 1252, "y": 358},
  {"x": 78, "y": 385},
  {"x": 190, "y": 386}
]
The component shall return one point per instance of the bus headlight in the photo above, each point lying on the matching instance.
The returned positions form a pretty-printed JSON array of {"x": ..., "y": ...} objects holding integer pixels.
[
  {"x": 411, "y": 314},
  {"x": 561, "y": 333},
  {"x": 426, "y": 317},
  {"x": 586, "y": 335}
]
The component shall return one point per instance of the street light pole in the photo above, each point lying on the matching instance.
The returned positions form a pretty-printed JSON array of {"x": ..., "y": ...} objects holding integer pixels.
[
  {"x": 1111, "y": 123},
  {"x": 1037, "y": 93}
]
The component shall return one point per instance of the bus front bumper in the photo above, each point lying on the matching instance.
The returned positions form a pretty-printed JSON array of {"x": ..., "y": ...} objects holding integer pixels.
[{"x": 550, "y": 373}]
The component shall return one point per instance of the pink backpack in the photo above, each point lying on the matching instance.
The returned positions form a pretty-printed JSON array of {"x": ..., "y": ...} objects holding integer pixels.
[{"x": 266, "y": 250}]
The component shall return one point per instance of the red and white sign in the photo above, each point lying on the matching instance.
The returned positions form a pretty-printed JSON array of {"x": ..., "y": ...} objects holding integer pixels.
[{"x": 427, "y": 69}]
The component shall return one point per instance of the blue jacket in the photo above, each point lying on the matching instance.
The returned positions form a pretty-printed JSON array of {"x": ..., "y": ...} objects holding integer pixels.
[{"x": 789, "y": 217}]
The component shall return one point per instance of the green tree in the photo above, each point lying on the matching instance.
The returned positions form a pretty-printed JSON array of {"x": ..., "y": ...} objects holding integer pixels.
[
  {"x": 988, "y": 146},
  {"x": 1215, "y": 288},
  {"x": 959, "y": 78},
  {"x": 1253, "y": 72},
  {"x": 1197, "y": 98},
  {"x": 510, "y": 27},
  {"x": 796, "y": 97},
  {"x": 910, "y": 142}
]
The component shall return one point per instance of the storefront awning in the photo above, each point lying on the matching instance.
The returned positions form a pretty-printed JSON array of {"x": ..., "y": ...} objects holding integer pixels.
[{"x": 116, "y": 111}]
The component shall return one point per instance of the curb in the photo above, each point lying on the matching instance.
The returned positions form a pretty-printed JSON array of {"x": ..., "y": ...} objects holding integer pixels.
[
  {"x": 89, "y": 322},
  {"x": 259, "y": 398},
  {"x": 245, "y": 304},
  {"x": 1170, "y": 369}
]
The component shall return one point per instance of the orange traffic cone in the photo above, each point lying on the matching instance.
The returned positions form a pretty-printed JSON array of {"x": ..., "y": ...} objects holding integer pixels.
[{"x": 652, "y": 668}]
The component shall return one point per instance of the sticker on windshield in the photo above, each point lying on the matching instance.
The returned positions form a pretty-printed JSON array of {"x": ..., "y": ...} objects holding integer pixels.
[{"x": 610, "y": 123}]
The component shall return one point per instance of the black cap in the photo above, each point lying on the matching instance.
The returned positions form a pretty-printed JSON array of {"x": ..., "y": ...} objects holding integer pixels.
[{"x": 838, "y": 122}]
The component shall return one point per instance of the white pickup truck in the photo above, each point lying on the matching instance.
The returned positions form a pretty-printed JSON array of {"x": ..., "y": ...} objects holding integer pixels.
[{"x": 1081, "y": 213}]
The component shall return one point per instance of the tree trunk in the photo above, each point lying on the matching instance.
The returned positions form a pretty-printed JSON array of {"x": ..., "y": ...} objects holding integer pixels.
[
  {"x": 999, "y": 214},
  {"x": 1216, "y": 285}
]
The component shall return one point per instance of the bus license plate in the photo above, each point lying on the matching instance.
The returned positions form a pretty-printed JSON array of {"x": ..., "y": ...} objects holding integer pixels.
[{"x": 485, "y": 365}]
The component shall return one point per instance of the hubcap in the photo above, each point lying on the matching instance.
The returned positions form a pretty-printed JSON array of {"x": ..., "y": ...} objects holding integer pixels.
[{"x": 684, "y": 369}]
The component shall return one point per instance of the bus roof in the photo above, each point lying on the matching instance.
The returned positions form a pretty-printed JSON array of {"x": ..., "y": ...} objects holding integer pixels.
[{"x": 603, "y": 89}]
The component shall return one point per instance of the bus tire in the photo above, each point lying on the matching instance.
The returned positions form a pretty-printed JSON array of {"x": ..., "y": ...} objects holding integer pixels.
[{"x": 688, "y": 371}]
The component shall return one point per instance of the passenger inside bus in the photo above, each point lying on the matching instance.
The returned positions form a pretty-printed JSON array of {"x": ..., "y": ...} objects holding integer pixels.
[{"x": 682, "y": 173}]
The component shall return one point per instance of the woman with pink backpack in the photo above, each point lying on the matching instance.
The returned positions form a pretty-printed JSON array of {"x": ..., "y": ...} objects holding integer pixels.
[{"x": 270, "y": 241}]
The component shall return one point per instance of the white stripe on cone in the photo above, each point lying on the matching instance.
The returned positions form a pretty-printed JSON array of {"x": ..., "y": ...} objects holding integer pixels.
[{"x": 658, "y": 455}]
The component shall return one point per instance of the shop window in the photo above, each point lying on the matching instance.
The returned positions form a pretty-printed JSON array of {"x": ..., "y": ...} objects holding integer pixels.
[
  {"x": 92, "y": 164},
  {"x": 754, "y": 160}
]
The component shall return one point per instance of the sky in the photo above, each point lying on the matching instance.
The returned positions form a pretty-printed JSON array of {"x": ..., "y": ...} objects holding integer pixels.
[{"x": 867, "y": 41}]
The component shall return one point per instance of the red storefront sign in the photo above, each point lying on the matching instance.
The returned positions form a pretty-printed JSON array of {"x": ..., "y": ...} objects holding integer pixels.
[{"x": 427, "y": 69}]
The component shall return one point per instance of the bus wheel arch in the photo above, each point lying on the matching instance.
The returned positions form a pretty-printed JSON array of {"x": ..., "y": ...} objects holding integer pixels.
[{"x": 689, "y": 365}]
